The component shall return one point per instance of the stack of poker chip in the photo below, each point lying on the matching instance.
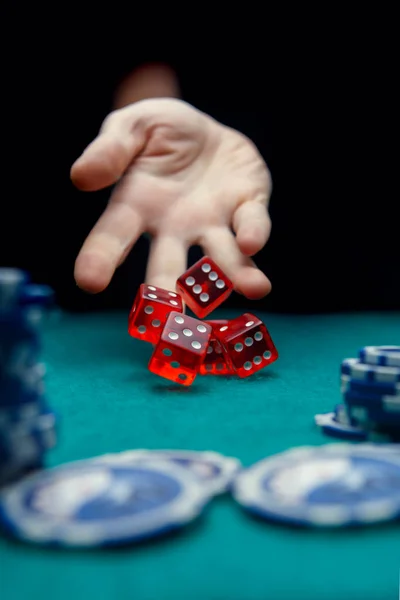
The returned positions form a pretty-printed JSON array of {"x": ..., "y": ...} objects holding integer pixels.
[
  {"x": 370, "y": 386},
  {"x": 27, "y": 425}
]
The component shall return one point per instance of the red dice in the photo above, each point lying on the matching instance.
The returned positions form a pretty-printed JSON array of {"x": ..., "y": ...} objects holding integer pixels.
[
  {"x": 186, "y": 346},
  {"x": 246, "y": 344},
  {"x": 181, "y": 348},
  {"x": 214, "y": 361},
  {"x": 204, "y": 287},
  {"x": 150, "y": 311}
]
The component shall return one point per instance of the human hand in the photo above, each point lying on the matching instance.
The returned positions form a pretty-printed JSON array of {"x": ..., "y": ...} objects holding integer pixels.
[{"x": 186, "y": 180}]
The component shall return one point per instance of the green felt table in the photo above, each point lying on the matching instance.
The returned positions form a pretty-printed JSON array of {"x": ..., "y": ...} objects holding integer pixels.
[{"x": 98, "y": 382}]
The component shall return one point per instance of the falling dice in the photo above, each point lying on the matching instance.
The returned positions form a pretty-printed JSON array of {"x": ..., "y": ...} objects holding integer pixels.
[
  {"x": 247, "y": 345},
  {"x": 181, "y": 348},
  {"x": 150, "y": 311},
  {"x": 204, "y": 287},
  {"x": 214, "y": 360}
]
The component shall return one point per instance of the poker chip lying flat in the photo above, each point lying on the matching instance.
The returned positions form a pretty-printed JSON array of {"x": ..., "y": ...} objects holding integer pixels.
[
  {"x": 348, "y": 384},
  {"x": 385, "y": 408},
  {"x": 364, "y": 372},
  {"x": 376, "y": 429},
  {"x": 214, "y": 471},
  {"x": 387, "y": 356},
  {"x": 347, "y": 423},
  {"x": 335, "y": 485},
  {"x": 91, "y": 504},
  {"x": 330, "y": 424}
]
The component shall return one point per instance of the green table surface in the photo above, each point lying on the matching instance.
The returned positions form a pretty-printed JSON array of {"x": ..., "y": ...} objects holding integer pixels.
[{"x": 97, "y": 379}]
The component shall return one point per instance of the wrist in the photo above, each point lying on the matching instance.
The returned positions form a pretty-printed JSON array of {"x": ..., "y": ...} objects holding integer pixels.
[{"x": 148, "y": 81}]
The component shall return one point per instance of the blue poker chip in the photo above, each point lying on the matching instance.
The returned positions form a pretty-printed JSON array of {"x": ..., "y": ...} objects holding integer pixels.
[
  {"x": 89, "y": 504},
  {"x": 35, "y": 294},
  {"x": 23, "y": 451},
  {"x": 215, "y": 471},
  {"x": 373, "y": 417},
  {"x": 16, "y": 329},
  {"x": 37, "y": 301},
  {"x": 375, "y": 407},
  {"x": 385, "y": 356},
  {"x": 18, "y": 430},
  {"x": 22, "y": 413},
  {"x": 354, "y": 425},
  {"x": 348, "y": 384},
  {"x": 359, "y": 371},
  {"x": 25, "y": 443},
  {"x": 377, "y": 427},
  {"x": 388, "y": 403},
  {"x": 364, "y": 415},
  {"x": 336, "y": 485},
  {"x": 341, "y": 415},
  {"x": 20, "y": 345},
  {"x": 330, "y": 426},
  {"x": 11, "y": 283},
  {"x": 12, "y": 471},
  {"x": 21, "y": 383}
]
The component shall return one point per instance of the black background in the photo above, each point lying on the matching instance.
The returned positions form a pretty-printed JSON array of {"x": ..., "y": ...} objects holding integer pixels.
[{"x": 319, "y": 106}]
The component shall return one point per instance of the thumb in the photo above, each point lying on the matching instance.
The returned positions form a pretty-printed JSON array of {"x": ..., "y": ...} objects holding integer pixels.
[
  {"x": 104, "y": 161},
  {"x": 125, "y": 134}
]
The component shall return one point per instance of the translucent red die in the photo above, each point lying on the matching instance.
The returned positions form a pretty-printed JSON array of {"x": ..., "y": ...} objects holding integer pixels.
[
  {"x": 181, "y": 348},
  {"x": 150, "y": 311},
  {"x": 214, "y": 361},
  {"x": 247, "y": 344},
  {"x": 204, "y": 287}
]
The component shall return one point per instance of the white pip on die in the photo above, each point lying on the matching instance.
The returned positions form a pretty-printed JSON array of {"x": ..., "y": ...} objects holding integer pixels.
[
  {"x": 150, "y": 311},
  {"x": 181, "y": 348}
]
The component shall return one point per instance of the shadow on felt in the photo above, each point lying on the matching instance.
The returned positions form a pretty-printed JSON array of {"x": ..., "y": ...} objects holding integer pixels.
[
  {"x": 161, "y": 540},
  {"x": 201, "y": 383},
  {"x": 263, "y": 375},
  {"x": 171, "y": 388},
  {"x": 302, "y": 529}
]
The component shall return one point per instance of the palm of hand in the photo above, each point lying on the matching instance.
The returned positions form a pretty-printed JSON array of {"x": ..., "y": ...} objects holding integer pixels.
[{"x": 186, "y": 180}]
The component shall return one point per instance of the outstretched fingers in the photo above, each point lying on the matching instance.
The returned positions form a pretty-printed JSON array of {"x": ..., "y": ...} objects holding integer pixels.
[
  {"x": 106, "y": 246},
  {"x": 221, "y": 245}
]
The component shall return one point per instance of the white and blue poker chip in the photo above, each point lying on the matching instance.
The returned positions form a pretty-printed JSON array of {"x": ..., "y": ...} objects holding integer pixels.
[
  {"x": 360, "y": 371},
  {"x": 21, "y": 384},
  {"x": 354, "y": 424},
  {"x": 37, "y": 301},
  {"x": 370, "y": 386},
  {"x": 331, "y": 486},
  {"x": 11, "y": 283},
  {"x": 24, "y": 443},
  {"x": 378, "y": 426},
  {"x": 384, "y": 408},
  {"x": 37, "y": 294},
  {"x": 335, "y": 424},
  {"x": 386, "y": 356},
  {"x": 27, "y": 426},
  {"x": 93, "y": 504},
  {"x": 17, "y": 413},
  {"x": 215, "y": 471},
  {"x": 348, "y": 384}
]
